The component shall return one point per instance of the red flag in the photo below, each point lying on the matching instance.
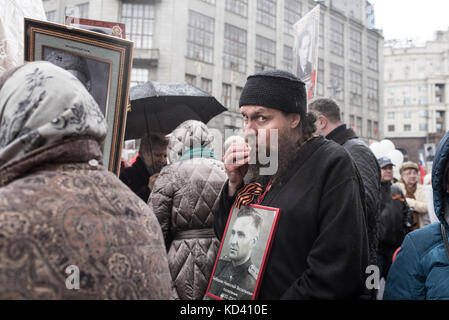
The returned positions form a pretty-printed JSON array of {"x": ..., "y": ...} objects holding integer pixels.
[{"x": 422, "y": 171}]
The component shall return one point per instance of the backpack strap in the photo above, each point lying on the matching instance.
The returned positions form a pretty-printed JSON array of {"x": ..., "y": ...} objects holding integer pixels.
[{"x": 446, "y": 244}]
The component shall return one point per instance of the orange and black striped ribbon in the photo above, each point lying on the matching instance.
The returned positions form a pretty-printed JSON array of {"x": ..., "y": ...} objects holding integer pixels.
[{"x": 248, "y": 193}]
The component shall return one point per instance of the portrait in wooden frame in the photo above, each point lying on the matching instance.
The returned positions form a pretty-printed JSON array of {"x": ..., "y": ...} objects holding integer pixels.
[
  {"x": 104, "y": 65},
  {"x": 243, "y": 253}
]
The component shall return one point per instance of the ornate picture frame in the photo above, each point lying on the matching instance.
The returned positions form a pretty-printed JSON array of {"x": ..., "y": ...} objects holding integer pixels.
[
  {"x": 243, "y": 253},
  {"x": 103, "y": 65}
]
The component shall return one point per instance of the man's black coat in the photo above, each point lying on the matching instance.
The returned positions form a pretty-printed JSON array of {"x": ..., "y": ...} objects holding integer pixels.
[{"x": 320, "y": 249}]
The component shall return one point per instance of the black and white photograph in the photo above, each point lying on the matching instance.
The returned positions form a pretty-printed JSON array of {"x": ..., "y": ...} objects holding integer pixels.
[
  {"x": 306, "y": 33},
  {"x": 100, "y": 61},
  {"x": 304, "y": 53},
  {"x": 245, "y": 246},
  {"x": 93, "y": 73}
]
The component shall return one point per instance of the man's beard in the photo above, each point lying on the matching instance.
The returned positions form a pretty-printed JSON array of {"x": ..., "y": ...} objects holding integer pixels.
[{"x": 287, "y": 150}]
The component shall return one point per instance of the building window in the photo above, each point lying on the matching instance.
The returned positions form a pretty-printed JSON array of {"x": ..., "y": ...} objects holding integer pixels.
[
  {"x": 369, "y": 129},
  {"x": 423, "y": 113},
  {"x": 355, "y": 46},
  {"x": 439, "y": 92},
  {"x": 239, "y": 7},
  {"x": 422, "y": 100},
  {"x": 234, "y": 56},
  {"x": 376, "y": 129},
  {"x": 51, "y": 16},
  {"x": 190, "y": 78},
  {"x": 139, "y": 21},
  {"x": 391, "y": 128},
  {"x": 238, "y": 93},
  {"x": 206, "y": 85},
  {"x": 355, "y": 89},
  {"x": 440, "y": 119},
  {"x": 78, "y": 11},
  {"x": 390, "y": 101},
  {"x": 423, "y": 127},
  {"x": 372, "y": 94},
  {"x": 266, "y": 13},
  {"x": 265, "y": 54},
  {"x": 226, "y": 95},
  {"x": 372, "y": 53},
  {"x": 288, "y": 58},
  {"x": 200, "y": 37},
  {"x": 139, "y": 76},
  {"x": 352, "y": 122},
  {"x": 407, "y": 114},
  {"x": 337, "y": 81},
  {"x": 292, "y": 13},
  {"x": 407, "y": 127},
  {"x": 359, "y": 126},
  {"x": 337, "y": 37},
  {"x": 390, "y": 115},
  {"x": 209, "y": 1},
  {"x": 320, "y": 80}
]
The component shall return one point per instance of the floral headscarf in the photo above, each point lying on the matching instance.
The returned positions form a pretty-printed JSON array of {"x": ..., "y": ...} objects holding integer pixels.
[{"x": 41, "y": 104}]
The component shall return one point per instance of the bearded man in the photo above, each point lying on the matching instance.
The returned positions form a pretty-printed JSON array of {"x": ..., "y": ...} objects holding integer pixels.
[{"x": 320, "y": 249}]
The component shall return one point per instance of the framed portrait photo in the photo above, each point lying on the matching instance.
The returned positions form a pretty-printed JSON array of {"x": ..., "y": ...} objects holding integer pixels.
[
  {"x": 101, "y": 62},
  {"x": 243, "y": 253}
]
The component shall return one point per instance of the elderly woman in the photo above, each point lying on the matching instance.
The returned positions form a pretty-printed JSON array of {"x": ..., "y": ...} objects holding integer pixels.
[
  {"x": 182, "y": 200},
  {"x": 420, "y": 270},
  {"x": 69, "y": 229},
  {"x": 414, "y": 193}
]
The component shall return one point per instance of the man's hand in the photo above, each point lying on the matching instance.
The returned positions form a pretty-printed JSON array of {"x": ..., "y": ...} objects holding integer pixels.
[
  {"x": 236, "y": 164},
  {"x": 152, "y": 181}
]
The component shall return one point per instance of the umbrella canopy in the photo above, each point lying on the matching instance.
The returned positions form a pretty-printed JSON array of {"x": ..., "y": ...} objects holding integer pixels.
[{"x": 161, "y": 107}]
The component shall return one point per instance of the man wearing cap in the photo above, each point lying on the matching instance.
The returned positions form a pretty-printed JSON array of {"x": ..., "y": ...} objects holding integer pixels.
[
  {"x": 395, "y": 219},
  {"x": 320, "y": 247},
  {"x": 414, "y": 193}
]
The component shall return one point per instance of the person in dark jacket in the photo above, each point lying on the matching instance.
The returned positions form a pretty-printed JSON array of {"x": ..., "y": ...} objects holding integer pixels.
[
  {"x": 329, "y": 125},
  {"x": 141, "y": 176},
  {"x": 394, "y": 220},
  {"x": 421, "y": 269},
  {"x": 320, "y": 248}
]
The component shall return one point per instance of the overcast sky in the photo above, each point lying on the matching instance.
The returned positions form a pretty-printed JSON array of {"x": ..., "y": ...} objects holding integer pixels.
[{"x": 412, "y": 19}]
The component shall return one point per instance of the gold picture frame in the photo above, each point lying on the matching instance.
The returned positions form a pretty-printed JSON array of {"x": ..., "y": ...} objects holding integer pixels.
[{"x": 106, "y": 70}]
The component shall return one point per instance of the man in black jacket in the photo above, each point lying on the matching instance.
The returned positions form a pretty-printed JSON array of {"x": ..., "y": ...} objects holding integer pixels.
[
  {"x": 141, "y": 176},
  {"x": 395, "y": 219},
  {"x": 329, "y": 125},
  {"x": 320, "y": 248}
]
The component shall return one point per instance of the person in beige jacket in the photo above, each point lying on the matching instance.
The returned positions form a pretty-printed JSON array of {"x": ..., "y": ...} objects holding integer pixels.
[
  {"x": 182, "y": 200},
  {"x": 414, "y": 192}
]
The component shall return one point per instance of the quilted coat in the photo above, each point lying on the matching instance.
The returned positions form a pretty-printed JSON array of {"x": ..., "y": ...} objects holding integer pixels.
[
  {"x": 182, "y": 200},
  {"x": 421, "y": 268}
]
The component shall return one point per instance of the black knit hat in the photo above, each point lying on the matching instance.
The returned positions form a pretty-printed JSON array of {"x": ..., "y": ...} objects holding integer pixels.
[{"x": 275, "y": 89}]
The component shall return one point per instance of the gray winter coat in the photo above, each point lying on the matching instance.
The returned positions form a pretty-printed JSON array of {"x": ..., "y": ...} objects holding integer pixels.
[{"x": 182, "y": 199}]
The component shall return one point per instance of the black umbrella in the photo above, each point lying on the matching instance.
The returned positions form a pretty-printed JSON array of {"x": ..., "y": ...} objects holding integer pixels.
[{"x": 161, "y": 107}]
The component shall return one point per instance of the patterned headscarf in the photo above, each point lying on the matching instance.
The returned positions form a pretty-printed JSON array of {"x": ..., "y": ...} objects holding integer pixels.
[
  {"x": 186, "y": 136},
  {"x": 42, "y": 104}
]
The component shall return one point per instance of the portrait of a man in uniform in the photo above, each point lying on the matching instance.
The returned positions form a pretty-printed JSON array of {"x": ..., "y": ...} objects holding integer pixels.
[
  {"x": 93, "y": 74},
  {"x": 304, "y": 52},
  {"x": 235, "y": 275}
]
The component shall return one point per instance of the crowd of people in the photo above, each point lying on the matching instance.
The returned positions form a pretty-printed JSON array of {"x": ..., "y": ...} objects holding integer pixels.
[{"x": 154, "y": 232}]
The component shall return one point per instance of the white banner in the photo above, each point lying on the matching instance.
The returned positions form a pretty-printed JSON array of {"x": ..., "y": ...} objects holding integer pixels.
[{"x": 306, "y": 33}]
